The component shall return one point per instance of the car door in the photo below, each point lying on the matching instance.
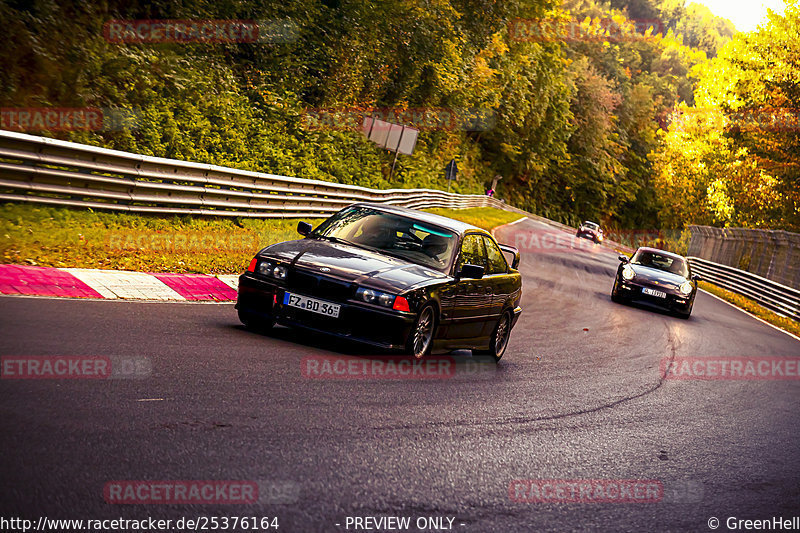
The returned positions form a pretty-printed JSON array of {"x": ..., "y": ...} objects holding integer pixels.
[
  {"x": 473, "y": 297},
  {"x": 502, "y": 284}
]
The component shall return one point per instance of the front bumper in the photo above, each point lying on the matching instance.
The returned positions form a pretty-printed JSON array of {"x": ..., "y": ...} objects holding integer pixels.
[
  {"x": 516, "y": 314},
  {"x": 383, "y": 328},
  {"x": 674, "y": 301},
  {"x": 589, "y": 235}
]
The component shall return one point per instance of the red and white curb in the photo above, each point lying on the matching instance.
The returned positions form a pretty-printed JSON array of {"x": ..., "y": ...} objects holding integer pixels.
[{"x": 115, "y": 284}]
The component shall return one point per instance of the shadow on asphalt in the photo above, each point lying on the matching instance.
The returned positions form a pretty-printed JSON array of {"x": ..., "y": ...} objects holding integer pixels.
[{"x": 462, "y": 359}]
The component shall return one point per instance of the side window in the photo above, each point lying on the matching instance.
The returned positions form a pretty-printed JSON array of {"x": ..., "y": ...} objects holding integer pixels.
[
  {"x": 472, "y": 251},
  {"x": 495, "y": 262}
]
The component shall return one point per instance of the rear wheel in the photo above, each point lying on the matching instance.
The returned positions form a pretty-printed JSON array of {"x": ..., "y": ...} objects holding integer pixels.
[
  {"x": 499, "y": 340},
  {"x": 421, "y": 338}
]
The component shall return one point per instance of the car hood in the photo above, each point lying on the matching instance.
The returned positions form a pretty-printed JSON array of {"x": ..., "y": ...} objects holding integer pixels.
[
  {"x": 666, "y": 279},
  {"x": 352, "y": 264}
]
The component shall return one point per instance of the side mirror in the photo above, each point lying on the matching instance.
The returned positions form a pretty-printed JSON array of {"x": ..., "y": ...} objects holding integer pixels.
[
  {"x": 514, "y": 253},
  {"x": 304, "y": 228},
  {"x": 623, "y": 259},
  {"x": 697, "y": 277},
  {"x": 471, "y": 271}
]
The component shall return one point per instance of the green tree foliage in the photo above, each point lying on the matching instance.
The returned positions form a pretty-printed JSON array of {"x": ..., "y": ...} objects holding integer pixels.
[
  {"x": 575, "y": 124},
  {"x": 734, "y": 158},
  {"x": 701, "y": 29}
]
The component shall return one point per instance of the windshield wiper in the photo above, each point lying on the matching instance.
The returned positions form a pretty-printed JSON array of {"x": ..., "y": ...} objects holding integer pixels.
[{"x": 339, "y": 240}]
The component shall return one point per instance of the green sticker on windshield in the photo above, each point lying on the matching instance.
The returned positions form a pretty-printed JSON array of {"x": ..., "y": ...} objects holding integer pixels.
[{"x": 428, "y": 230}]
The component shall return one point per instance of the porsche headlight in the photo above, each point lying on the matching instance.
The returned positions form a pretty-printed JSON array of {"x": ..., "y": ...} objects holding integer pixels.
[
  {"x": 628, "y": 273},
  {"x": 686, "y": 288}
]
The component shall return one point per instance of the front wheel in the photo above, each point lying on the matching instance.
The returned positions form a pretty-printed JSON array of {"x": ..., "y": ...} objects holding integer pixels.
[
  {"x": 499, "y": 341},
  {"x": 615, "y": 297},
  {"x": 255, "y": 322},
  {"x": 421, "y": 338},
  {"x": 687, "y": 314}
]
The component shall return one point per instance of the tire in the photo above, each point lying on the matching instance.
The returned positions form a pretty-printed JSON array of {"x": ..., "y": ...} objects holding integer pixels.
[
  {"x": 615, "y": 297},
  {"x": 255, "y": 322},
  {"x": 500, "y": 336},
  {"x": 420, "y": 340},
  {"x": 687, "y": 314}
]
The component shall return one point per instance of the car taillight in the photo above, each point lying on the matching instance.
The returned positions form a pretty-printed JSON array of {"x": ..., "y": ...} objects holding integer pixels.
[
  {"x": 252, "y": 266},
  {"x": 401, "y": 304}
]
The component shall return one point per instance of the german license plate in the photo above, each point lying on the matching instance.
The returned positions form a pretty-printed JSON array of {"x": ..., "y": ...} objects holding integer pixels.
[
  {"x": 653, "y": 292},
  {"x": 321, "y": 307}
]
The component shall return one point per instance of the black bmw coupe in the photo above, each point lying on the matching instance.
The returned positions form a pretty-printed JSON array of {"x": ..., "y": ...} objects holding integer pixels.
[
  {"x": 391, "y": 277},
  {"x": 656, "y": 277}
]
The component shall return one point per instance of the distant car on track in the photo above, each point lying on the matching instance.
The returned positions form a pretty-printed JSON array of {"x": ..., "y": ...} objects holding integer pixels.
[
  {"x": 656, "y": 277},
  {"x": 391, "y": 277},
  {"x": 590, "y": 230}
]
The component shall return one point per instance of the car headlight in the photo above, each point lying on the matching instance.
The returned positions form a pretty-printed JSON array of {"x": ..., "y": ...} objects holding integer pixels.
[
  {"x": 280, "y": 272},
  {"x": 265, "y": 268},
  {"x": 372, "y": 296},
  {"x": 686, "y": 288},
  {"x": 628, "y": 273},
  {"x": 272, "y": 270}
]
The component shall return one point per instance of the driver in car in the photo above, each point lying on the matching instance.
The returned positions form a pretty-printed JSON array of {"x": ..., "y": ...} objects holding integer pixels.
[
  {"x": 376, "y": 235},
  {"x": 434, "y": 245}
]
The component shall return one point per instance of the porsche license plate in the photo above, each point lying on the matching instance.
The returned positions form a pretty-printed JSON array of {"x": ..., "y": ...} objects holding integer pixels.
[
  {"x": 320, "y": 307},
  {"x": 653, "y": 292}
]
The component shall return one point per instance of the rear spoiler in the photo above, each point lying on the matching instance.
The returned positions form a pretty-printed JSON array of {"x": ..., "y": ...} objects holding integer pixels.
[{"x": 513, "y": 251}]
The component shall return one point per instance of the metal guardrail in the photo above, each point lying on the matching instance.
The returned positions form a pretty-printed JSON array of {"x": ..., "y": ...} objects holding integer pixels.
[
  {"x": 779, "y": 298},
  {"x": 772, "y": 254},
  {"x": 50, "y": 171}
]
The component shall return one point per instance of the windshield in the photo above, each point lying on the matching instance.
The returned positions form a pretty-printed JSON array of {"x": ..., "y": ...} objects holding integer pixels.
[
  {"x": 667, "y": 263},
  {"x": 391, "y": 234},
  {"x": 591, "y": 225}
]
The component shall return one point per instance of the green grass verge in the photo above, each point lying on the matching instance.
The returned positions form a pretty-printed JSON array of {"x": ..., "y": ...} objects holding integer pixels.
[
  {"x": 792, "y": 326},
  {"x": 62, "y": 237},
  {"x": 483, "y": 217}
]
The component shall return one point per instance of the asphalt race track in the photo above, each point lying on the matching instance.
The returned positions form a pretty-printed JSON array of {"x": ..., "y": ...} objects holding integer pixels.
[{"x": 579, "y": 395}]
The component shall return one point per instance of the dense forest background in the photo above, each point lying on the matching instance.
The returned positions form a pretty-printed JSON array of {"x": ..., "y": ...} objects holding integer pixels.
[{"x": 694, "y": 123}]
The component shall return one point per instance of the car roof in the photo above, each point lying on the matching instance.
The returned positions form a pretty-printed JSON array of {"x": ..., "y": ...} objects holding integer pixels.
[
  {"x": 437, "y": 220},
  {"x": 659, "y": 251}
]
